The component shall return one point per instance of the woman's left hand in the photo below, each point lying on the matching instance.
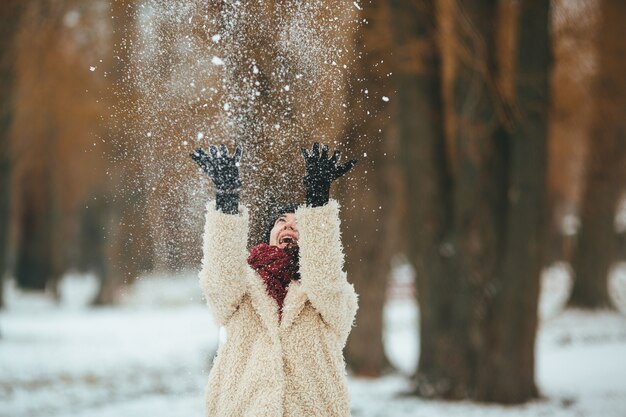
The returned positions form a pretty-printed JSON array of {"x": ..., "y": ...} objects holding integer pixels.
[{"x": 320, "y": 172}]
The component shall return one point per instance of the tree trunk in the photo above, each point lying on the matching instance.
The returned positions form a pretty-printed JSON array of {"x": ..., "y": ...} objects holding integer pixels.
[
  {"x": 39, "y": 256},
  {"x": 508, "y": 374},
  {"x": 478, "y": 205},
  {"x": 126, "y": 236},
  {"x": 37, "y": 259},
  {"x": 369, "y": 212},
  {"x": 10, "y": 12},
  {"x": 368, "y": 247},
  {"x": 595, "y": 251},
  {"x": 423, "y": 148}
]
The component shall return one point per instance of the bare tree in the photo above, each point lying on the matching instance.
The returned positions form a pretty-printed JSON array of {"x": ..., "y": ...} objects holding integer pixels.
[
  {"x": 10, "y": 17},
  {"x": 39, "y": 260},
  {"x": 369, "y": 211},
  {"x": 57, "y": 113},
  {"x": 573, "y": 30},
  {"x": 116, "y": 260},
  {"x": 596, "y": 251},
  {"x": 477, "y": 199}
]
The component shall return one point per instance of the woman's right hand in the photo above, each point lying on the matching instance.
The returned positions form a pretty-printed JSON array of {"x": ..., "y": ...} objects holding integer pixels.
[{"x": 224, "y": 172}]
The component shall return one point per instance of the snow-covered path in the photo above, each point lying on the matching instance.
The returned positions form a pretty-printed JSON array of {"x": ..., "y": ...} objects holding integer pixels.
[{"x": 143, "y": 360}]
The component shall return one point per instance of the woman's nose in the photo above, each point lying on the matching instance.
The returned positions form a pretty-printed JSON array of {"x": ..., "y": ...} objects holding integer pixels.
[{"x": 290, "y": 225}]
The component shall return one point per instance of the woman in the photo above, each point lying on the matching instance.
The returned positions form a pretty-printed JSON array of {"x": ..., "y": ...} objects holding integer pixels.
[{"x": 286, "y": 306}]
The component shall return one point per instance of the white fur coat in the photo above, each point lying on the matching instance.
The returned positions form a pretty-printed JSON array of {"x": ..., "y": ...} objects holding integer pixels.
[{"x": 267, "y": 368}]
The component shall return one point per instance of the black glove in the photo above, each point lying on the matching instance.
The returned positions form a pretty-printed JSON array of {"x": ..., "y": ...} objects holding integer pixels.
[
  {"x": 321, "y": 172},
  {"x": 224, "y": 171}
]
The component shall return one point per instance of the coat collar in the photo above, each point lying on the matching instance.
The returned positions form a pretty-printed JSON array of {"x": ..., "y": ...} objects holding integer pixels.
[
  {"x": 267, "y": 308},
  {"x": 264, "y": 305},
  {"x": 294, "y": 303}
]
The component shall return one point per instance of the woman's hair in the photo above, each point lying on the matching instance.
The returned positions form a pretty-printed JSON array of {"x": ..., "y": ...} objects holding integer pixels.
[{"x": 287, "y": 208}]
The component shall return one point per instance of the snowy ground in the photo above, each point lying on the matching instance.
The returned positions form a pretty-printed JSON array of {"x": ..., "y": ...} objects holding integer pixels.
[{"x": 151, "y": 356}]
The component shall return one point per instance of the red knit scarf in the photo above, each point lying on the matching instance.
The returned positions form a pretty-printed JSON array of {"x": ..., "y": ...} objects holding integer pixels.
[{"x": 277, "y": 267}]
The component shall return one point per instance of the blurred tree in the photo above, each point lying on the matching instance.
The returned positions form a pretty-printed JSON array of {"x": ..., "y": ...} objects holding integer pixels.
[
  {"x": 420, "y": 112},
  {"x": 573, "y": 28},
  {"x": 10, "y": 17},
  {"x": 120, "y": 216},
  {"x": 39, "y": 260},
  {"x": 604, "y": 179},
  {"x": 57, "y": 114},
  {"x": 508, "y": 372},
  {"x": 368, "y": 218},
  {"x": 477, "y": 199},
  {"x": 163, "y": 86}
]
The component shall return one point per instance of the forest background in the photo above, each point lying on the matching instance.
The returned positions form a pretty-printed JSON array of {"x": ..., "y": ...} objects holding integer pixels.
[{"x": 491, "y": 137}]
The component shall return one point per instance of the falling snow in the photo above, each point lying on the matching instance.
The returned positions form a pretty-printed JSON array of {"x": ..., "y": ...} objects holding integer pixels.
[
  {"x": 217, "y": 61},
  {"x": 244, "y": 73}
]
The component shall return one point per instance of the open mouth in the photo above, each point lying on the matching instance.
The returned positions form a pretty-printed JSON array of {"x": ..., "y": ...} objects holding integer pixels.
[{"x": 287, "y": 240}]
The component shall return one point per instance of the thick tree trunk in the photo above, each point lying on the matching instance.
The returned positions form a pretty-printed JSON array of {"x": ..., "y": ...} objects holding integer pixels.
[
  {"x": 127, "y": 237},
  {"x": 39, "y": 257},
  {"x": 441, "y": 369},
  {"x": 423, "y": 151},
  {"x": 595, "y": 251},
  {"x": 10, "y": 12},
  {"x": 508, "y": 374},
  {"x": 368, "y": 229},
  {"x": 477, "y": 205},
  {"x": 368, "y": 248},
  {"x": 369, "y": 213}
]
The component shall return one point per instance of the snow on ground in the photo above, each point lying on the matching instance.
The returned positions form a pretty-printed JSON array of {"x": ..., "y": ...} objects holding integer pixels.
[{"x": 151, "y": 357}]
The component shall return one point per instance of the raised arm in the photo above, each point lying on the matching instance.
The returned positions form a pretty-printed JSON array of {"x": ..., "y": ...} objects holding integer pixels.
[
  {"x": 321, "y": 267},
  {"x": 224, "y": 262},
  {"x": 225, "y": 233},
  {"x": 321, "y": 252}
]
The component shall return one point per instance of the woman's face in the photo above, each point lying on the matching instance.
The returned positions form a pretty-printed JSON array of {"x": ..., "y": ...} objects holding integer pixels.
[{"x": 285, "y": 231}]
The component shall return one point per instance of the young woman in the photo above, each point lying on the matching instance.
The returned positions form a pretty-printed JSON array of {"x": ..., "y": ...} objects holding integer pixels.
[{"x": 286, "y": 305}]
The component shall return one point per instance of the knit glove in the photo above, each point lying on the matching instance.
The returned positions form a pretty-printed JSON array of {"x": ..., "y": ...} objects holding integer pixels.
[
  {"x": 321, "y": 172},
  {"x": 224, "y": 172}
]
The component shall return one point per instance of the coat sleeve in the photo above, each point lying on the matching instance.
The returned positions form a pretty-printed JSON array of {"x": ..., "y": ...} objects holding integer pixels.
[
  {"x": 222, "y": 277},
  {"x": 321, "y": 267}
]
